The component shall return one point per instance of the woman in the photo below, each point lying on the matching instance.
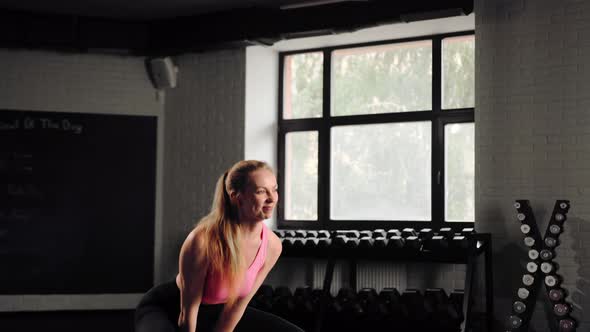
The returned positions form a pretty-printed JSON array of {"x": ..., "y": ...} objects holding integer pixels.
[{"x": 222, "y": 262}]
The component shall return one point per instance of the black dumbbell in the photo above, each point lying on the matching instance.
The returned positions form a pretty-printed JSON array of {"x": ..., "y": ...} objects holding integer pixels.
[
  {"x": 436, "y": 242},
  {"x": 283, "y": 304},
  {"x": 514, "y": 322},
  {"x": 406, "y": 232},
  {"x": 561, "y": 309},
  {"x": 352, "y": 243},
  {"x": 523, "y": 293},
  {"x": 279, "y": 232},
  {"x": 393, "y": 232},
  {"x": 299, "y": 243},
  {"x": 340, "y": 241},
  {"x": 549, "y": 267},
  {"x": 553, "y": 280},
  {"x": 301, "y": 233},
  {"x": 379, "y": 233},
  {"x": 324, "y": 242},
  {"x": 288, "y": 242},
  {"x": 366, "y": 242},
  {"x": 392, "y": 311},
  {"x": 555, "y": 229},
  {"x": 557, "y": 294},
  {"x": 290, "y": 233},
  {"x": 468, "y": 231},
  {"x": 529, "y": 241},
  {"x": 551, "y": 242},
  {"x": 558, "y": 218},
  {"x": 441, "y": 313},
  {"x": 350, "y": 309},
  {"x": 413, "y": 300},
  {"x": 262, "y": 300},
  {"x": 528, "y": 279},
  {"x": 518, "y": 307},
  {"x": 456, "y": 300},
  {"x": 311, "y": 242},
  {"x": 353, "y": 234},
  {"x": 546, "y": 254},
  {"x": 396, "y": 242},
  {"x": 446, "y": 232},
  {"x": 567, "y": 325},
  {"x": 459, "y": 242},
  {"x": 425, "y": 234},
  {"x": 324, "y": 234},
  {"x": 532, "y": 267},
  {"x": 368, "y": 300},
  {"x": 381, "y": 242},
  {"x": 312, "y": 234},
  {"x": 413, "y": 242},
  {"x": 304, "y": 307},
  {"x": 365, "y": 233}
]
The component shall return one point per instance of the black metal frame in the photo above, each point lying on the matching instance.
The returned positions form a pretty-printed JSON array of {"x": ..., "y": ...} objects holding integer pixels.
[
  {"x": 539, "y": 245},
  {"x": 322, "y": 125},
  {"x": 479, "y": 244}
]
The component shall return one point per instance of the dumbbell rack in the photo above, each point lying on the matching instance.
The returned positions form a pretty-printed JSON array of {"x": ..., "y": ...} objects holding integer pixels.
[
  {"x": 541, "y": 269},
  {"x": 476, "y": 245}
]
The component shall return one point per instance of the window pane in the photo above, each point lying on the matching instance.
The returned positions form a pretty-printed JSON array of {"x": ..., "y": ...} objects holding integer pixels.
[
  {"x": 303, "y": 86},
  {"x": 382, "y": 79},
  {"x": 458, "y": 54},
  {"x": 301, "y": 176},
  {"x": 459, "y": 172},
  {"x": 381, "y": 172}
]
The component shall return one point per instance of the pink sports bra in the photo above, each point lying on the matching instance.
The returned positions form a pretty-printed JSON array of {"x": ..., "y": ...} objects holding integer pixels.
[{"x": 214, "y": 292}]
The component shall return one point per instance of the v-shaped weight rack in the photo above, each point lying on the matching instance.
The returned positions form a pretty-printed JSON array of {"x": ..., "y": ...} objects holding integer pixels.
[{"x": 541, "y": 269}]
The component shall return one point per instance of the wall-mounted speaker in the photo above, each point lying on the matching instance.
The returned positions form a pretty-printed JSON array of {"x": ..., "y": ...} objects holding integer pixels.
[{"x": 162, "y": 72}]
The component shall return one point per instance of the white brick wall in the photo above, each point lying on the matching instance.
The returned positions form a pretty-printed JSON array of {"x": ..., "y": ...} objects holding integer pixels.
[
  {"x": 204, "y": 135},
  {"x": 532, "y": 126}
]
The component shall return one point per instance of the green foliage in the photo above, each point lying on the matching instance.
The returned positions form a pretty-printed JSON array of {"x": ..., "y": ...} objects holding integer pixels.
[{"x": 380, "y": 171}]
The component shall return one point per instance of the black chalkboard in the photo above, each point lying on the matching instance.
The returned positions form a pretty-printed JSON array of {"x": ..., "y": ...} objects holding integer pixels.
[{"x": 77, "y": 202}]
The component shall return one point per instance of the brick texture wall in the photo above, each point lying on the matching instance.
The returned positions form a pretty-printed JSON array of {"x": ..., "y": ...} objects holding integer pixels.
[
  {"x": 533, "y": 137},
  {"x": 204, "y": 135}
]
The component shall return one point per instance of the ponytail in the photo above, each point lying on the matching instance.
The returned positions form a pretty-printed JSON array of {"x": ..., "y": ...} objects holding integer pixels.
[{"x": 223, "y": 237}]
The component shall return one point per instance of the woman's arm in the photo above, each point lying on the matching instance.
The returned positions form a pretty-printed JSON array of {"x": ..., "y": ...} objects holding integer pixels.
[
  {"x": 231, "y": 315},
  {"x": 192, "y": 272}
]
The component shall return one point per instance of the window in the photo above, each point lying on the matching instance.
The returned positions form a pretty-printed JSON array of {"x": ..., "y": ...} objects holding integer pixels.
[{"x": 378, "y": 134}]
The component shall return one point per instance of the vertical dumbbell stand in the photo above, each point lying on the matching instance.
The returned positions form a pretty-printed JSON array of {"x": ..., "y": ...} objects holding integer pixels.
[
  {"x": 478, "y": 244},
  {"x": 527, "y": 219}
]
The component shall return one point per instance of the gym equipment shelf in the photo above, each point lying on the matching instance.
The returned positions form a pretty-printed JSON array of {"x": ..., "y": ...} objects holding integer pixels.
[{"x": 463, "y": 252}]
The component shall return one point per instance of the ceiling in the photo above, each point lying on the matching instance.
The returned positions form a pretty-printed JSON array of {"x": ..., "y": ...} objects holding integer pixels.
[
  {"x": 140, "y": 9},
  {"x": 155, "y": 27}
]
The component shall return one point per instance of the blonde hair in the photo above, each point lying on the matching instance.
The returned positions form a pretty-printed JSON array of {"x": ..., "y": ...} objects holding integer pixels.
[{"x": 221, "y": 226}]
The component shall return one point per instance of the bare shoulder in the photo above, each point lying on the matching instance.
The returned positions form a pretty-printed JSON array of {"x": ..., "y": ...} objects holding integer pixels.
[
  {"x": 275, "y": 247},
  {"x": 193, "y": 244}
]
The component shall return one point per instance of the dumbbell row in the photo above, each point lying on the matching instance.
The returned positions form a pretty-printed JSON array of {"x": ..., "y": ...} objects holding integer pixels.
[
  {"x": 425, "y": 238},
  {"x": 447, "y": 232},
  {"x": 367, "y": 309}
]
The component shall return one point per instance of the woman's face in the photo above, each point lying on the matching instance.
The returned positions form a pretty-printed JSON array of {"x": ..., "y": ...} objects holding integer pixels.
[{"x": 260, "y": 196}]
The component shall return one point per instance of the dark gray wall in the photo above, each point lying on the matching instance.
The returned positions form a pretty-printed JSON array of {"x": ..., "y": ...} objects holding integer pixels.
[
  {"x": 204, "y": 135},
  {"x": 533, "y": 136}
]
